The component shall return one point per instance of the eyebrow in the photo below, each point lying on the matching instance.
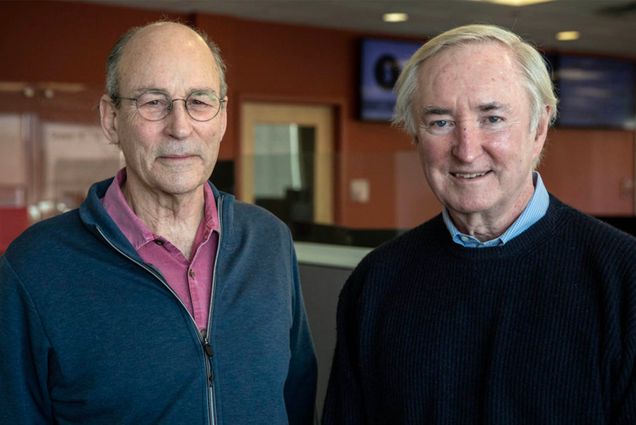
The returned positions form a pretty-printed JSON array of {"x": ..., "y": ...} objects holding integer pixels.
[
  {"x": 493, "y": 106},
  {"x": 486, "y": 107},
  {"x": 435, "y": 110},
  {"x": 202, "y": 90},
  {"x": 143, "y": 90}
]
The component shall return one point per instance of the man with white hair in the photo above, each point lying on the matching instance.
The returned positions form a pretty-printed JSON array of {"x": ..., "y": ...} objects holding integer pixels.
[{"x": 509, "y": 307}]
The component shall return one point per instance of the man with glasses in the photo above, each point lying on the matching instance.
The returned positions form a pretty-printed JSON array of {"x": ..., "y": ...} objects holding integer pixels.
[{"x": 160, "y": 300}]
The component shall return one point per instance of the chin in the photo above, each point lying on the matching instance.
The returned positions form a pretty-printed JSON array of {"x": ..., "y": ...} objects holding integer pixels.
[
  {"x": 469, "y": 206},
  {"x": 177, "y": 187}
]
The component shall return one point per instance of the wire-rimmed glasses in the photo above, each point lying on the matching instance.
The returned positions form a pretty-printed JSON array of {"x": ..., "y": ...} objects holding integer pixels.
[{"x": 155, "y": 106}]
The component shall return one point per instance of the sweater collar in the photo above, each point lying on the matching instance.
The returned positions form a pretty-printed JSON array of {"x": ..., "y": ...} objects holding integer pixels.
[{"x": 94, "y": 216}]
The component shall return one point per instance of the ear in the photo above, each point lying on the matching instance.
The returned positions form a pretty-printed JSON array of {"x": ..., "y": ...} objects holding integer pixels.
[
  {"x": 223, "y": 118},
  {"x": 108, "y": 119},
  {"x": 415, "y": 140},
  {"x": 541, "y": 132}
]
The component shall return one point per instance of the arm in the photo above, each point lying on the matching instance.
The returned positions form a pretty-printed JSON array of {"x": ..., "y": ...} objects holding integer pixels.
[
  {"x": 24, "y": 348},
  {"x": 344, "y": 400},
  {"x": 624, "y": 386},
  {"x": 626, "y": 412},
  {"x": 300, "y": 386}
]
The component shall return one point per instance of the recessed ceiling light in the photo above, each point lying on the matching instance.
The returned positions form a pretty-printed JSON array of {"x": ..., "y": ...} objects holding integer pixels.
[
  {"x": 517, "y": 3},
  {"x": 567, "y": 35},
  {"x": 395, "y": 17}
]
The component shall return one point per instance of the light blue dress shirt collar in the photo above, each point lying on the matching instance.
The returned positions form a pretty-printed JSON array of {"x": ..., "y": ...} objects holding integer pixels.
[{"x": 533, "y": 212}]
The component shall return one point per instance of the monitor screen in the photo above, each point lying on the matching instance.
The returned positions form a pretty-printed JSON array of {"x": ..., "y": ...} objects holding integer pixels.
[
  {"x": 381, "y": 62},
  {"x": 595, "y": 92}
]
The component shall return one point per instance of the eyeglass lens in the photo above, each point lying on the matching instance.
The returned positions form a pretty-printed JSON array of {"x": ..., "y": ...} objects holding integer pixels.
[{"x": 201, "y": 106}]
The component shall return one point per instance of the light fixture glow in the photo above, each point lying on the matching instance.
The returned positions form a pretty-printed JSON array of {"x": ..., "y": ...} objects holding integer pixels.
[
  {"x": 515, "y": 3},
  {"x": 395, "y": 17},
  {"x": 567, "y": 35}
]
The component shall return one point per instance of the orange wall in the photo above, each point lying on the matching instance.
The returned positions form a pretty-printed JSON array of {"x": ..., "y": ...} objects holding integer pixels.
[
  {"x": 591, "y": 169},
  {"x": 68, "y": 42},
  {"x": 61, "y": 41}
]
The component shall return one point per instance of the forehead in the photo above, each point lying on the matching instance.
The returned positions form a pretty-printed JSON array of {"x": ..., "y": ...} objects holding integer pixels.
[
  {"x": 170, "y": 57},
  {"x": 479, "y": 71}
]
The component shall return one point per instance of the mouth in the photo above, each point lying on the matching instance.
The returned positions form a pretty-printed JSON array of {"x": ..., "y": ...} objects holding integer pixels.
[
  {"x": 469, "y": 176},
  {"x": 176, "y": 157}
]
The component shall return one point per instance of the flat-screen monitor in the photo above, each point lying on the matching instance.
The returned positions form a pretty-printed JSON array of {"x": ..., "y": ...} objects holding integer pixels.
[
  {"x": 381, "y": 61},
  {"x": 595, "y": 92}
]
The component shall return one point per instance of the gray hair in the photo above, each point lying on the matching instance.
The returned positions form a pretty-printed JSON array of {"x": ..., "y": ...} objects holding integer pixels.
[
  {"x": 532, "y": 65},
  {"x": 114, "y": 57}
]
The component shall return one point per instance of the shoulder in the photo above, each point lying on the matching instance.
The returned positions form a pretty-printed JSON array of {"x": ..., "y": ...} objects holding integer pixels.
[
  {"x": 393, "y": 262},
  {"x": 399, "y": 256},
  {"x": 256, "y": 218},
  {"x": 253, "y": 213},
  {"x": 52, "y": 247},
  {"x": 238, "y": 213},
  {"x": 421, "y": 240},
  {"x": 603, "y": 250},
  {"x": 585, "y": 228},
  {"x": 46, "y": 236},
  {"x": 246, "y": 225}
]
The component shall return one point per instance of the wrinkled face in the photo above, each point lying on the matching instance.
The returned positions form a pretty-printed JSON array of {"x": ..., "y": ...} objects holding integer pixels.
[
  {"x": 473, "y": 136},
  {"x": 177, "y": 154}
]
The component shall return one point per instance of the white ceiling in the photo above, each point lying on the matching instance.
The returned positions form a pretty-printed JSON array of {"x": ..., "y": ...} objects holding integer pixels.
[{"x": 606, "y": 26}]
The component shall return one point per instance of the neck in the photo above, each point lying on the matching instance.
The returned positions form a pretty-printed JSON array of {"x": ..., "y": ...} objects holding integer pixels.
[
  {"x": 174, "y": 217},
  {"x": 481, "y": 227}
]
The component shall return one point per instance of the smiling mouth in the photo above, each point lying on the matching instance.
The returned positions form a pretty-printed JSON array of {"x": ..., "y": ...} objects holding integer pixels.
[{"x": 469, "y": 176}]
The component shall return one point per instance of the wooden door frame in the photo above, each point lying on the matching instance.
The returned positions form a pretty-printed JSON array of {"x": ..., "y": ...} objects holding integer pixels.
[{"x": 318, "y": 115}]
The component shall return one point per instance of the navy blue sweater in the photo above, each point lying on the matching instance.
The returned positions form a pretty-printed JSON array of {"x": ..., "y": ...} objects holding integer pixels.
[
  {"x": 90, "y": 334},
  {"x": 539, "y": 331}
]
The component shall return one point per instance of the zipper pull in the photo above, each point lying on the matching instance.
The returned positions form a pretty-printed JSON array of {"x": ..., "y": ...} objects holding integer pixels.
[{"x": 207, "y": 348}]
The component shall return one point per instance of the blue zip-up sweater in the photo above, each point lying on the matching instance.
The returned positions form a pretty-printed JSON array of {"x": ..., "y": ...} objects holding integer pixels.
[{"x": 90, "y": 334}]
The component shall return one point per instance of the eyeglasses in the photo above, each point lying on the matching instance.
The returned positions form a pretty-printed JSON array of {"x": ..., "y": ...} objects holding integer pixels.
[{"x": 155, "y": 106}]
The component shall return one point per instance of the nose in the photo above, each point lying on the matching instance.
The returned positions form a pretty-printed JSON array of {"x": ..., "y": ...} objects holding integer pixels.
[
  {"x": 467, "y": 144},
  {"x": 179, "y": 123}
]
